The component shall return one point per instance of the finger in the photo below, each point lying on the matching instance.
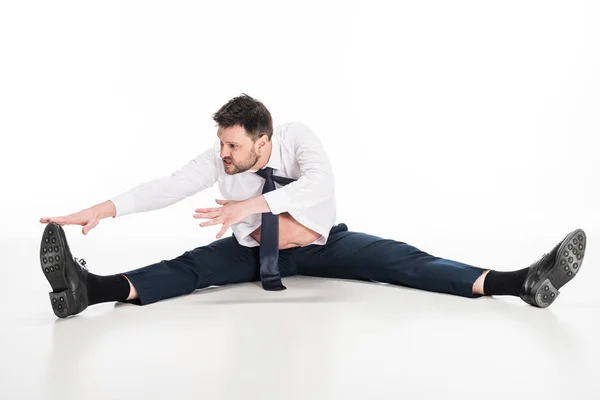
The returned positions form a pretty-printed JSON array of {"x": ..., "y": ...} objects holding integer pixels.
[
  {"x": 212, "y": 222},
  {"x": 222, "y": 232},
  {"x": 207, "y": 209},
  {"x": 58, "y": 220},
  {"x": 62, "y": 221},
  {"x": 207, "y": 215},
  {"x": 221, "y": 201},
  {"x": 89, "y": 227}
]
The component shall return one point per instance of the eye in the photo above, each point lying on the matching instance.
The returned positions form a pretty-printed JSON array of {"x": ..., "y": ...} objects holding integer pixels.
[{"x": 233, "y": 146}]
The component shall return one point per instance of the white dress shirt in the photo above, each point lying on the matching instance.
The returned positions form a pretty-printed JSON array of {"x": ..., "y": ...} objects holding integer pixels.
[{"x": 297, "y": 153}]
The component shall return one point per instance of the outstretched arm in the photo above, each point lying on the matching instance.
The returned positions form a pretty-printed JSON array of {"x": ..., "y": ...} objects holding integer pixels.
[{"x": 199, "y": 174}]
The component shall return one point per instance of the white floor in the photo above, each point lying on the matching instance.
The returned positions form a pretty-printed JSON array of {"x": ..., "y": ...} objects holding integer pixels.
[{"x": 320, "y": 339}]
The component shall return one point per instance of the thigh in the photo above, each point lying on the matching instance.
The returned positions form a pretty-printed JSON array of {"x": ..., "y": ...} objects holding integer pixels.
[
  {"x": 362, "y": 256},
  {"x": 351, "y": 255},
  {"x": 225, "y": 261},
  {"x": 221, "y": 262}
]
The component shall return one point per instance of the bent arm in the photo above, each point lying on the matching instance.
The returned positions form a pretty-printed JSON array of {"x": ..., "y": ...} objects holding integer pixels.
[{"x": 316, "y": 183}]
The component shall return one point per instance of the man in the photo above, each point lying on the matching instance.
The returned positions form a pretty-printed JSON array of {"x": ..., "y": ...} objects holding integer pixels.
[{"x": 277, "y": 232}]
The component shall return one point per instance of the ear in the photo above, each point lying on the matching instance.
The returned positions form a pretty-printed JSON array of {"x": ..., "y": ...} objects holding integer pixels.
[{"x": 262, "y": 141}]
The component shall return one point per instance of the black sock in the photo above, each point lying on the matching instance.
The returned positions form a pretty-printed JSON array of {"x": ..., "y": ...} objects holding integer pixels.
[
  {"x": 509, "y": 283},
  {"x": 107, "y": 288}
]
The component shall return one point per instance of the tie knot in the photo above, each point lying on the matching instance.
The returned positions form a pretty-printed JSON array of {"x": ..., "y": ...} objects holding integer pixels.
[{"x": 265, "y": 172}]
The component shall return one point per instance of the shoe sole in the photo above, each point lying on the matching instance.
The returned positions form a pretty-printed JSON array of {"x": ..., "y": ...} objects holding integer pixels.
[
  {"x": 567, "y": 264},
  {"x": 52, "y": 259}
]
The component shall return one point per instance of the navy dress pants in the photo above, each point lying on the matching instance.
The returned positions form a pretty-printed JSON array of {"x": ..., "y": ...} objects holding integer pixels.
[{"x": 346, "y": 255}]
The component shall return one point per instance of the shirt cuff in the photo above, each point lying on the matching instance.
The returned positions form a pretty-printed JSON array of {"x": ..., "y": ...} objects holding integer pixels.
[
  {"x": 124, "y": 204},
  {"x": 278, "y": 201}
]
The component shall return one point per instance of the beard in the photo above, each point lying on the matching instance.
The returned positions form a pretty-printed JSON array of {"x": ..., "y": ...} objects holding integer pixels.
[{"x": 249, "y": 162}]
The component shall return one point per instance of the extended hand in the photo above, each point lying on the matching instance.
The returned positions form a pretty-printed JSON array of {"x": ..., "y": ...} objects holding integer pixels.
[
  {"x": 88, "y": 218},
  {"x": 232, "y": 212}
]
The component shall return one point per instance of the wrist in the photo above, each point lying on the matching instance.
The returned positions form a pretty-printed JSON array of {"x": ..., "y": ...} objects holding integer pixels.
[
  {"x": 105, "y": 210},
  {"x": 257, "y": 205}
]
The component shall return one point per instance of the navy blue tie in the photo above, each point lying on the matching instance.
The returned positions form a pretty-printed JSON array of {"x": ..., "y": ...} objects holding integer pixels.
[{"x": 269, "y": 236}]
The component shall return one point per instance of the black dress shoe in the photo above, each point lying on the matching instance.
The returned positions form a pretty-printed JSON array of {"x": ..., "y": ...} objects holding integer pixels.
[
  {"x": 553, "y": 270},
  {"x": 67, "y": 275}
]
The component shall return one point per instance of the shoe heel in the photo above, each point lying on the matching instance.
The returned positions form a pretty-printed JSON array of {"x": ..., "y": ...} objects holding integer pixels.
[
  {"x": 61, "y": 303},
  {"x": 546, "y": 294}
]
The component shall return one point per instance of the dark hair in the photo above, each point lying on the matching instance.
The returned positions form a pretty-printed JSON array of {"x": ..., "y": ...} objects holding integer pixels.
[{"x": 247, "y": 112}]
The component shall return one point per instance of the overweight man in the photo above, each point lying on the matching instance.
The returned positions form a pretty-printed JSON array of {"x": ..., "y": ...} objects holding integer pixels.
[{"x": 279, "y": 201}]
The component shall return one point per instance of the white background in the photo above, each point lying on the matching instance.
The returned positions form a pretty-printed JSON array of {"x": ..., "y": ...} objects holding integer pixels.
[
  {"x": 444, "y": 121},
  {"x": 466, "y": 128}
]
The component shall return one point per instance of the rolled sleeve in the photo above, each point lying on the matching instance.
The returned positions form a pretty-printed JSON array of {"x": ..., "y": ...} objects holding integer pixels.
[
  {"x": 316, "y": 181},
  {"x": 278, "y": 201}
]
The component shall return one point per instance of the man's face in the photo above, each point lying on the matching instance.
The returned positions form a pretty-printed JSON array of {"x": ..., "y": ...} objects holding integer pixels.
[{"x": 237, "y": 148}]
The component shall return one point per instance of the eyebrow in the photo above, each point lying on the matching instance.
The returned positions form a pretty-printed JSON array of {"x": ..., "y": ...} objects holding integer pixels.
[{"x": 228, "y": 142}]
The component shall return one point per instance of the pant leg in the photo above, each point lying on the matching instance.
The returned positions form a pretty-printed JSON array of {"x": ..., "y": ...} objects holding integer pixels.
[
  {"x": 360, "y": 256},
  {"x": 221, "y": 262}
]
